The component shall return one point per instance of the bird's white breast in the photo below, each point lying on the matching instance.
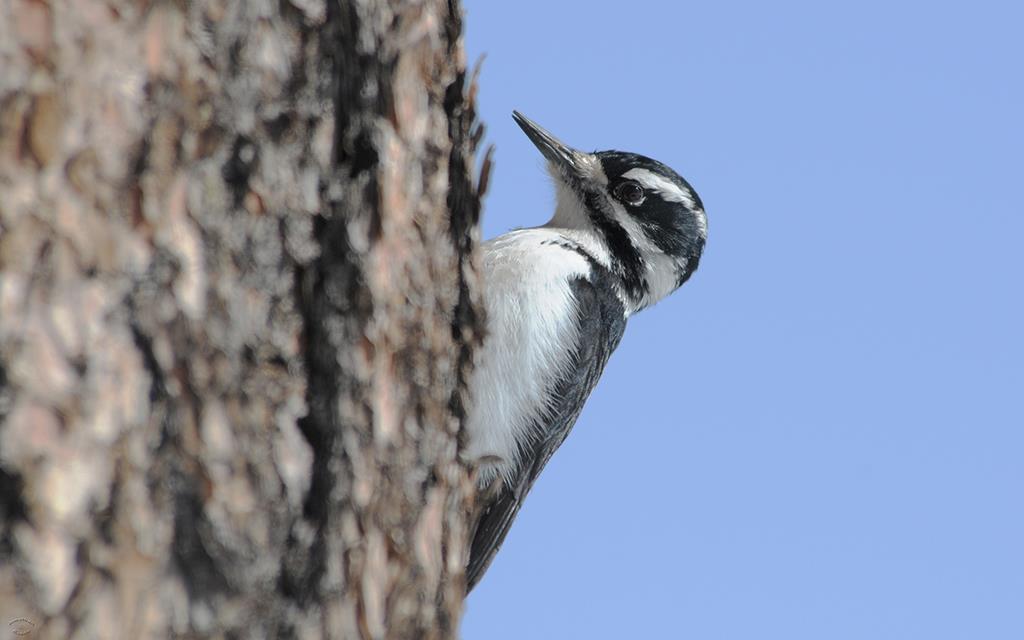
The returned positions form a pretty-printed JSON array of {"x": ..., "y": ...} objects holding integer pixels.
[{"x": 532, "y": 335}]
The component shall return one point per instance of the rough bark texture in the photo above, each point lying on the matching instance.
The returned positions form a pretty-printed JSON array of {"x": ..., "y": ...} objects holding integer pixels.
[{"x": 237, "y": 307}]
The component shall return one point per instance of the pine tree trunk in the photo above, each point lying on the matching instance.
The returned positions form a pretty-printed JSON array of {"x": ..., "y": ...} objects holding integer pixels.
[{"x": 237, "y": 307}]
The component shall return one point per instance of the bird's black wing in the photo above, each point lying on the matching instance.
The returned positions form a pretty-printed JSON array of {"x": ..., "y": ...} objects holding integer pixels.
[{"x": 601, "y": 323}]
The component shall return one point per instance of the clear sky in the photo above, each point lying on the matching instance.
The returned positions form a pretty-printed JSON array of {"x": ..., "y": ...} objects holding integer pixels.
[{"x": 821, "y": 435}]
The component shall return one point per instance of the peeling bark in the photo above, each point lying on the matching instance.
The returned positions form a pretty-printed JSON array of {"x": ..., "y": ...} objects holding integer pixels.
[{"x": 237, "y": 308}]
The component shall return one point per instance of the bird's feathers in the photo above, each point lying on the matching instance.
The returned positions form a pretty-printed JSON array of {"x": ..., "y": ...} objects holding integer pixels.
[
  {"x": 626, "y": 232},
  {"x": 531, "y": 325},
  {"x": 599, "y": 325}
]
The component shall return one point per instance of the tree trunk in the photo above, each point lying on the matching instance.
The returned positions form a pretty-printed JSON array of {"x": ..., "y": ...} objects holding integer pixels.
[{"x": 237, "y": 308}]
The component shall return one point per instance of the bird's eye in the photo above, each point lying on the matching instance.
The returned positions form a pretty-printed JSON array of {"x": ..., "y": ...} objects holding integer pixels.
[{"x": 630, "y": 193}]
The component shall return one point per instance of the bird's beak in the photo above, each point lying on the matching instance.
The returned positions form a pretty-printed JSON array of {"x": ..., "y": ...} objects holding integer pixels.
[{"x": 572, "y": 164}]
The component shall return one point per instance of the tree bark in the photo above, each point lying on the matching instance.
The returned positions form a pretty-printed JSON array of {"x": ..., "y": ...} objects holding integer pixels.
[{"x": 237, "y": 309}]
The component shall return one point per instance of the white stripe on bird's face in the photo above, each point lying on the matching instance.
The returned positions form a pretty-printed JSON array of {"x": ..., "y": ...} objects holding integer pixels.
[
  {"x": 660, "y": 272},
  {"x": 668, "y": 190}
]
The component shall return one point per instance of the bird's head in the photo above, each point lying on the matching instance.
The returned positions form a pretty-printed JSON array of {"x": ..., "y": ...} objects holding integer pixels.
[{"x": 648, "y": 222}]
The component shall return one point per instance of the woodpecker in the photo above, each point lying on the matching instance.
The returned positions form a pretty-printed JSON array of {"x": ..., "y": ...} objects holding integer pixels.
[{"x": 626, "y": 232}]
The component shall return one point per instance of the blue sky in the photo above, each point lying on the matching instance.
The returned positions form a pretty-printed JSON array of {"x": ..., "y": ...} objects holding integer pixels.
[{"x": 822, "y": 434}]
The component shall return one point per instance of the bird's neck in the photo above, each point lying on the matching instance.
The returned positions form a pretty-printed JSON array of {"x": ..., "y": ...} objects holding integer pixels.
[
  {"x": 569, "y": 213},
  {"x": 643, "y": 274}
]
